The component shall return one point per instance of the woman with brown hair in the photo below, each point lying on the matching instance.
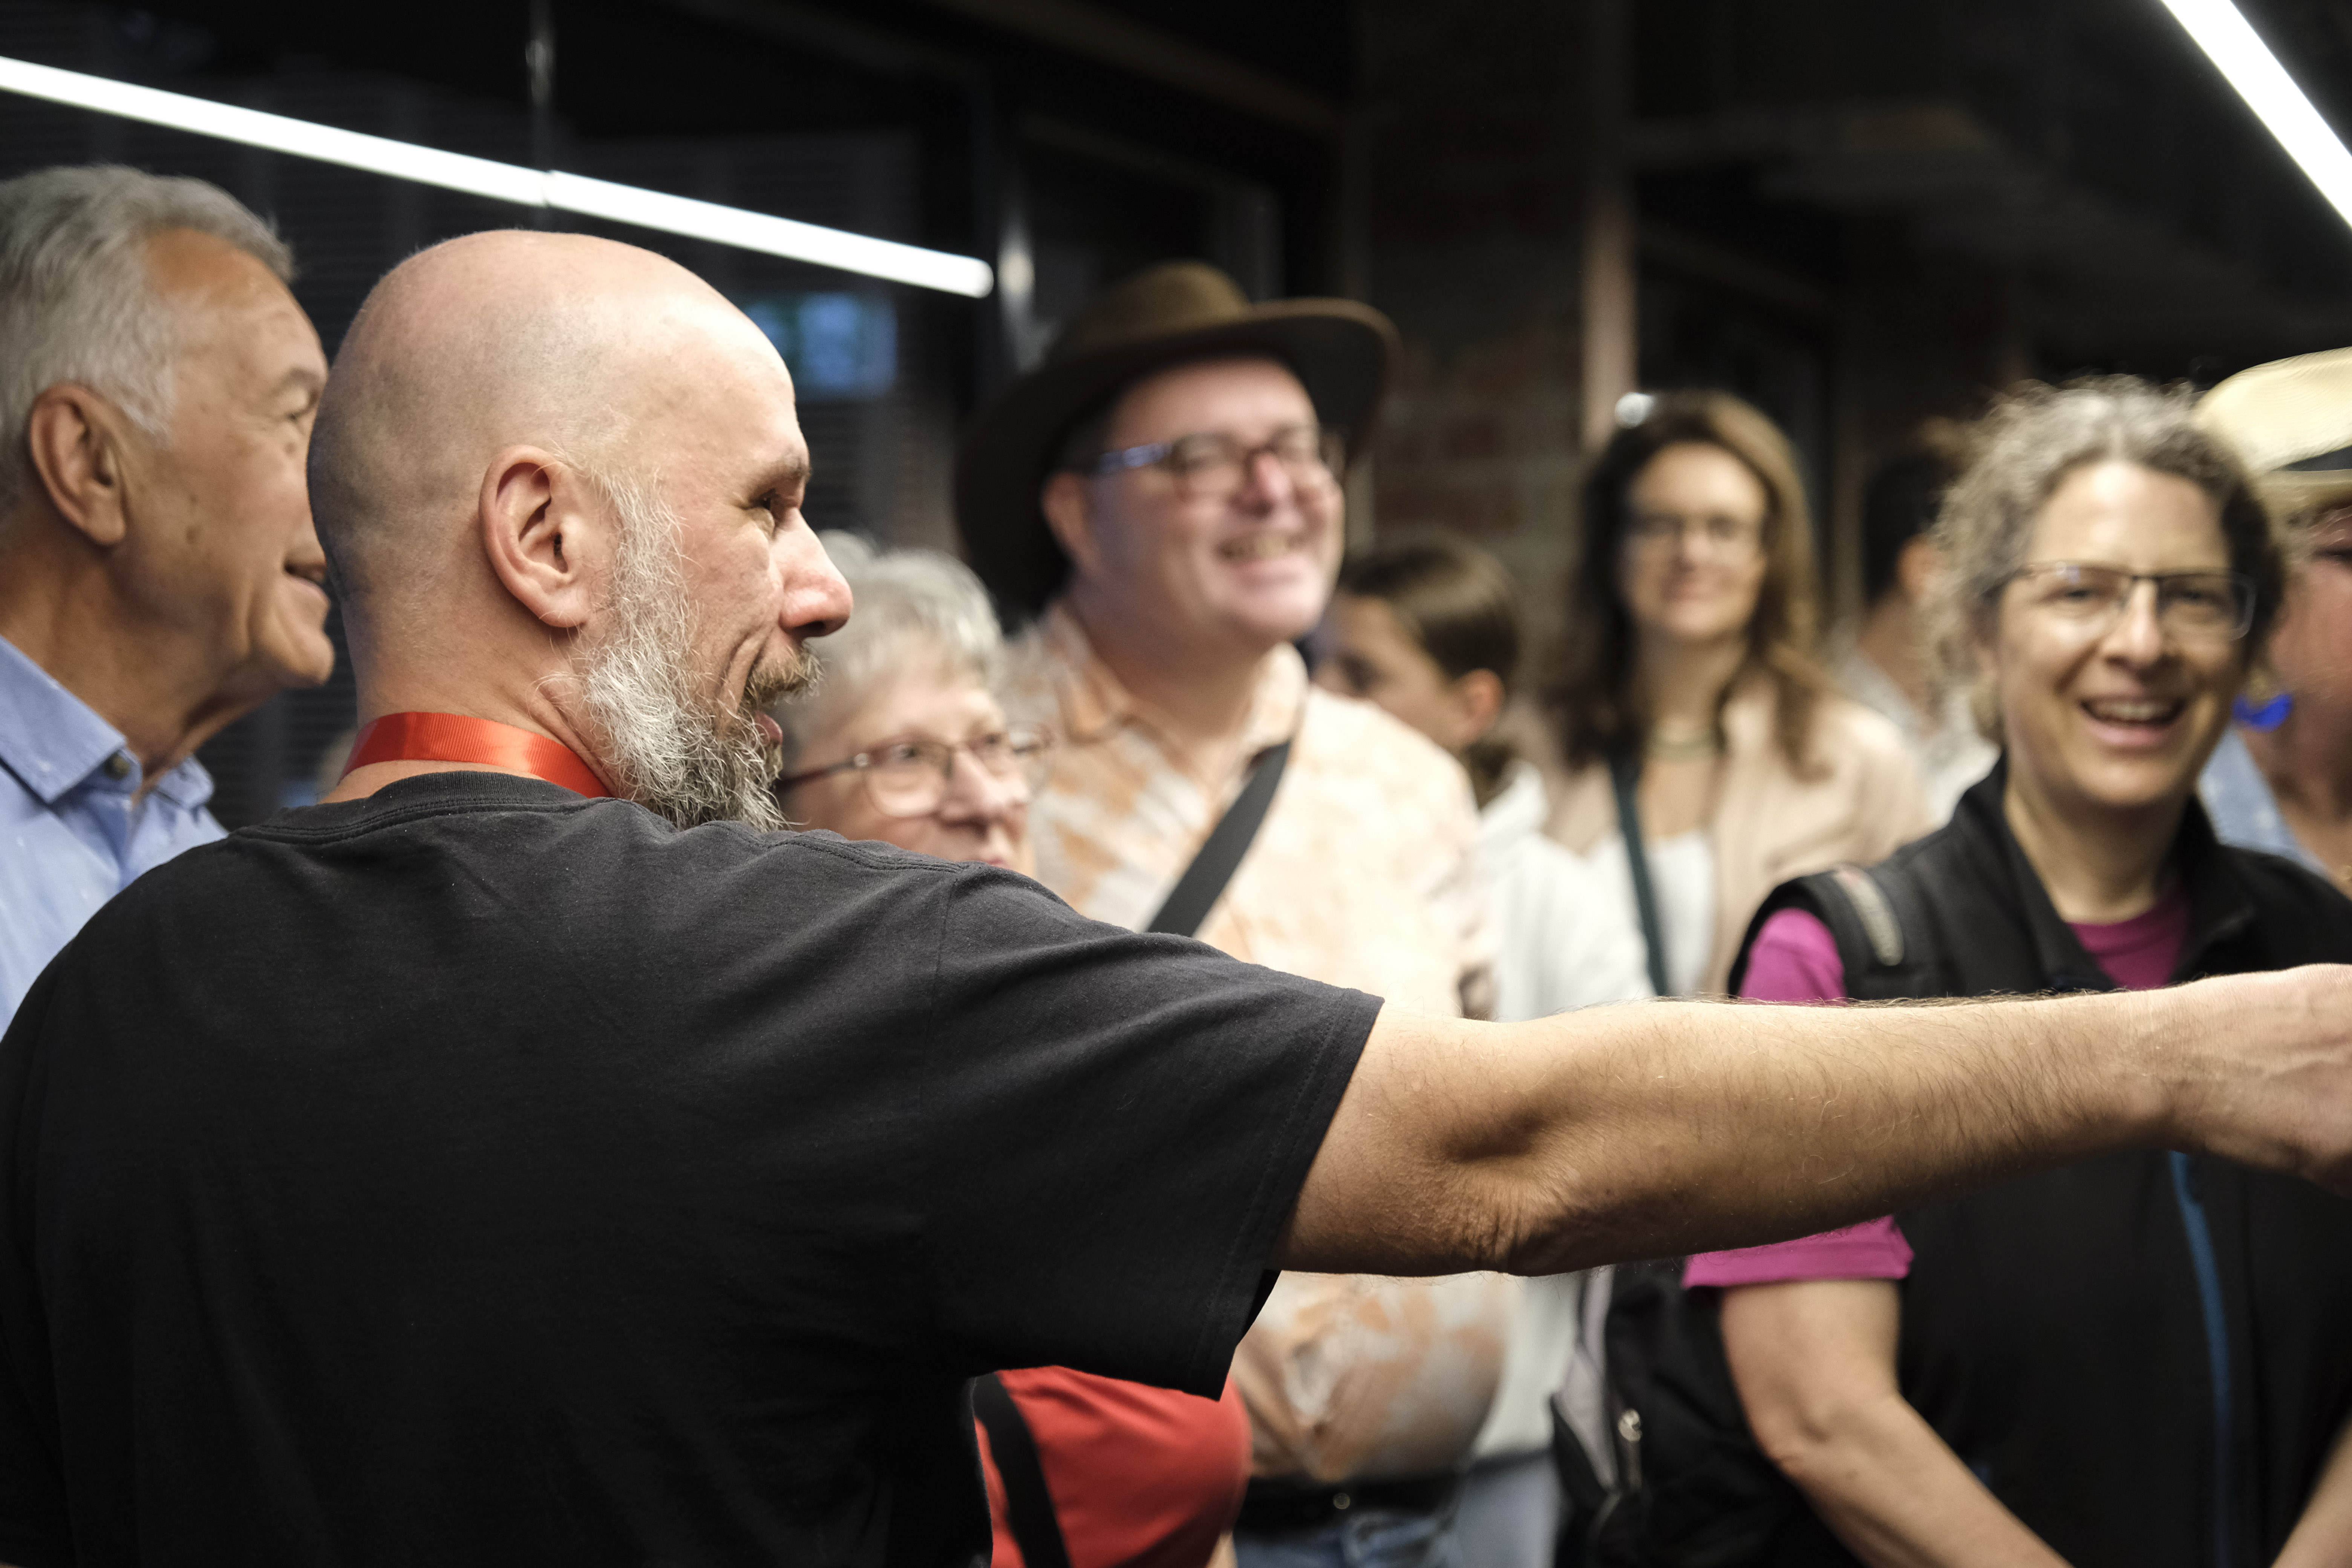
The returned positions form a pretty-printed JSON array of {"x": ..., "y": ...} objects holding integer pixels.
[{"x": 1686, "y": 698}]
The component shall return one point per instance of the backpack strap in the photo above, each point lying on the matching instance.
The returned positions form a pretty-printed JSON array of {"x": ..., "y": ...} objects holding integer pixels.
[
  {"x": 1625, "y": 781},
  {"x": 1028, "y": 1505},
  {"x": 1886, "y": 943}
]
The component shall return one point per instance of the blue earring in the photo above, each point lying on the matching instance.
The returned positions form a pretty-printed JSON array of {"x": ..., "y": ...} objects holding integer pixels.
[{"x": 2267, "y": 717}]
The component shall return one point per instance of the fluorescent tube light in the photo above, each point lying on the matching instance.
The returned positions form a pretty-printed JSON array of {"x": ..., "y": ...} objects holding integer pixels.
[
  {"x": 2250, "y": 66},
  {"x": 746, "y": 230}
]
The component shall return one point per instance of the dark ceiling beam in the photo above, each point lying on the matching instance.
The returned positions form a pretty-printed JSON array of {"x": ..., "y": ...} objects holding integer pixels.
[
  {"x": 1112, "y": 40},
  {"x": 1697, "y": 257},
  {"x": 875, "y": 49}
]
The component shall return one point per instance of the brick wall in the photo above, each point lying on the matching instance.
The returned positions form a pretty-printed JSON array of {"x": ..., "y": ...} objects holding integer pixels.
[{"x": 1469, "y": 144}]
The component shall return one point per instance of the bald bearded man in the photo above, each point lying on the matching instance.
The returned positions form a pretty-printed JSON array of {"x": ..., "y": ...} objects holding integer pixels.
[{"x": 523, "y": 1156}]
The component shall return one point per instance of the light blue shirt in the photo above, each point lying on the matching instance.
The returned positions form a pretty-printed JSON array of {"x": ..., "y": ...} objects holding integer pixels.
[
  {"x": 70, "y": 835},
  {"x": 2244, "y": 811}
]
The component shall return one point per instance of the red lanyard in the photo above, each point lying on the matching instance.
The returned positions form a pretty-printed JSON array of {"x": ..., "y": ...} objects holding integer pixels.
[{"x": 454, "y": 738}]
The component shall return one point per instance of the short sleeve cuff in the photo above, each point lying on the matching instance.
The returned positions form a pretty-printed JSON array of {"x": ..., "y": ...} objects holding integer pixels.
[{"x": 1874, "y": 1249}]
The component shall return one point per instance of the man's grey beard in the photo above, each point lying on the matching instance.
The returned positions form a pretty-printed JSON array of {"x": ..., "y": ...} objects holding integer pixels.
[{"x": 666, "y": 749}]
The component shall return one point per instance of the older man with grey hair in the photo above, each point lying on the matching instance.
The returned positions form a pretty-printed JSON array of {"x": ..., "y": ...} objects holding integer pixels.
[{"x": 158, "y": 576}]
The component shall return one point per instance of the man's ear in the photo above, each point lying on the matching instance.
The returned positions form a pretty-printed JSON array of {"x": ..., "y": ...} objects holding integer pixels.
[
  {"x": 76, "y": 439},
  {"x": 549, "y": 533},
  {"x": 1069, "y": 513}
]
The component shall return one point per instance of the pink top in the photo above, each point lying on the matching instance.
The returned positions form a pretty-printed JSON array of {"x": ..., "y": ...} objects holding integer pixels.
[{"x": 1796, "y": 960}]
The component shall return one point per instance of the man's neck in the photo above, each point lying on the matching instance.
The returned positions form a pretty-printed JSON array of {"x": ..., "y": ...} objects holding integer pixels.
[
  {"x": 1889, "y": 639},
  {"x": 159, "y": 687},
  {"x": 2309, "y": 760},
  {"x": 521, "y": 684},
  {"x": 2098, "y": 866},
  {"x": 1202, "y": 695}
]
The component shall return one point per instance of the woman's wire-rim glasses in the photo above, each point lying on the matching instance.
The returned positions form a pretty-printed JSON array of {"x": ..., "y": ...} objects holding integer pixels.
[
  {"x": 2210, "y": 606},
  {"x": 1214, "y": 465},
  {"x": 1725, "y": 535},
  {"x": 910, "y": 776}
]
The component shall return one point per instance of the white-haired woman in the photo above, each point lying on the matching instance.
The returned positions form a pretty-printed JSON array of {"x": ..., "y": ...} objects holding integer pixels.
[
  {"x": 903, "y": 741},
  {"x": 2143, "y": 1358}
]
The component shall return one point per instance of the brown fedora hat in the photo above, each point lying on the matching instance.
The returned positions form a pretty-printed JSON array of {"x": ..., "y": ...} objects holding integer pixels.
[
  {"x": 2291, "y": 420},
  {"x": 1341, "y": 352}
]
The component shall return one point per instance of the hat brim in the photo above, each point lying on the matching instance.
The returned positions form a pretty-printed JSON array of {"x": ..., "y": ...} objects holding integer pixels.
[
  {"x": 2292, "y": 496},
  {"x": 1344, "y": 353}
]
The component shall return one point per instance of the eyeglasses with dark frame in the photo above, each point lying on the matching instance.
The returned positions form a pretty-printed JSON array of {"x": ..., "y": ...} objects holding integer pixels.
[
  {"x": 910, "y": 776},
  {"x": 1213, "y": 465},
  {"x": 2190, "y": 607}
]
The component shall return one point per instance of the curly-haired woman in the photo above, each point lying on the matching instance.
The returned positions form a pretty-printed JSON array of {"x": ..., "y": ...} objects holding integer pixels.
[{"x": 2143, "y": 1358}]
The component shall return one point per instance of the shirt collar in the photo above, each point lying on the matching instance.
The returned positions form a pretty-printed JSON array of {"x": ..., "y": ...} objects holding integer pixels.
[
  {"x": 53, "y": 741},
  {"x": 1518, "y": 810},
  {"x": 1094, "y": 701},
  {"x": 2219, "y": 904}
]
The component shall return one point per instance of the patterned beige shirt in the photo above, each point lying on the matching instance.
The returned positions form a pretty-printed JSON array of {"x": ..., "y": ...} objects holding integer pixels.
[{"x": 1361, "y": 874}]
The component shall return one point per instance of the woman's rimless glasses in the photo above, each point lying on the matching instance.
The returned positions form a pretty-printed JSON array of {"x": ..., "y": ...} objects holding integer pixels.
[{"x": 2190, "y": 607}]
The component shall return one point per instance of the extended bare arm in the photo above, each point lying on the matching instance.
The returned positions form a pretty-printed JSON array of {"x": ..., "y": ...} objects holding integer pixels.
[{"x": 1657, "y": 1128}]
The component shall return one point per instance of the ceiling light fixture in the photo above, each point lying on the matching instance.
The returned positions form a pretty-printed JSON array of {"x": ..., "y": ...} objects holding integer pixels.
[
  {"x": 747, "y": 230},
  {"x": 2247, "y": 62}
]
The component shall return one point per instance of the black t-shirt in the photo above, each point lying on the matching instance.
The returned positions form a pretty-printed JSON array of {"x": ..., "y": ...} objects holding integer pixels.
[{"x": 477, "y": 1173}]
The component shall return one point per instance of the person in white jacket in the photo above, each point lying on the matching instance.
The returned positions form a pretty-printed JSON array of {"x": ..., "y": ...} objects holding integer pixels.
[{"x": 1428, "y": 628}]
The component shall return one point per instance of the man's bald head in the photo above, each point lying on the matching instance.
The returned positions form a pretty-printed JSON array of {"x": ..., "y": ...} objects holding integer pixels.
[
  {"x": 560, "y": 478},
  {"x": 582, "y": 346}
]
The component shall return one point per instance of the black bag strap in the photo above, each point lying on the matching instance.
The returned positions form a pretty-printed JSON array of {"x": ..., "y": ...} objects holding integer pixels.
[
  {"x": 1203, "y": 881},
  {"x": 1028, "y": 1506},
  {"x": 1625, "y": 776}
]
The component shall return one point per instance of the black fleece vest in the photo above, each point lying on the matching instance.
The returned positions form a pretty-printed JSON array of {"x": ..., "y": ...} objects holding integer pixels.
[{"x": 2056, "y": 1330}]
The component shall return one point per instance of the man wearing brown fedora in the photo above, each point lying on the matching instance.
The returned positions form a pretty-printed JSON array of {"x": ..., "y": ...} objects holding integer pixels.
[
  {"x": 1163, "y": 496},
  {"x": 2281, "y": 778}
]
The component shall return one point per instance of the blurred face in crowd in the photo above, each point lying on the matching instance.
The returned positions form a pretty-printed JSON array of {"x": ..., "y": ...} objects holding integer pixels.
[
  {"x": 2113, "y": 711},
  {"x": 1364, "y": 650},
  {"x": 2311, "y": 649},
  {"x": 220, "y": 513},
  {"x": 930, "y": 713},
  {"x": 1692, "y": 561},
  {"x": 1201, "y": 552}
]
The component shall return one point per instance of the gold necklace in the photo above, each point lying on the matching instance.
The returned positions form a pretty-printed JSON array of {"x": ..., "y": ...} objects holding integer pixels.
[{"x": 1683, "y": 748}]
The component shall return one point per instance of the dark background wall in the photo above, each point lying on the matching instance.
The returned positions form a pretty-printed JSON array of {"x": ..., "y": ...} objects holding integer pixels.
[{"x": 1857, "y": 214}]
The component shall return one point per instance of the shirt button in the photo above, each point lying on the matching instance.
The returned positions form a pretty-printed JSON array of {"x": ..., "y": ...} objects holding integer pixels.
[{"x": 118, "y": 767}]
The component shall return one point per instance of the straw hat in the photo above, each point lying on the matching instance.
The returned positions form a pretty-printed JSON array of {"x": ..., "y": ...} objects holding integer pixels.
[
  {"x": 2291, "y": 420},
  {"x": 1341, "y": 352}
]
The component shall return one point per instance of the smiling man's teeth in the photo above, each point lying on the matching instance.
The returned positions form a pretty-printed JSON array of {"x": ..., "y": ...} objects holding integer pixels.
[
  {"x": 1258, "y": 547},
  {"x": 2118, "y": 711}
]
